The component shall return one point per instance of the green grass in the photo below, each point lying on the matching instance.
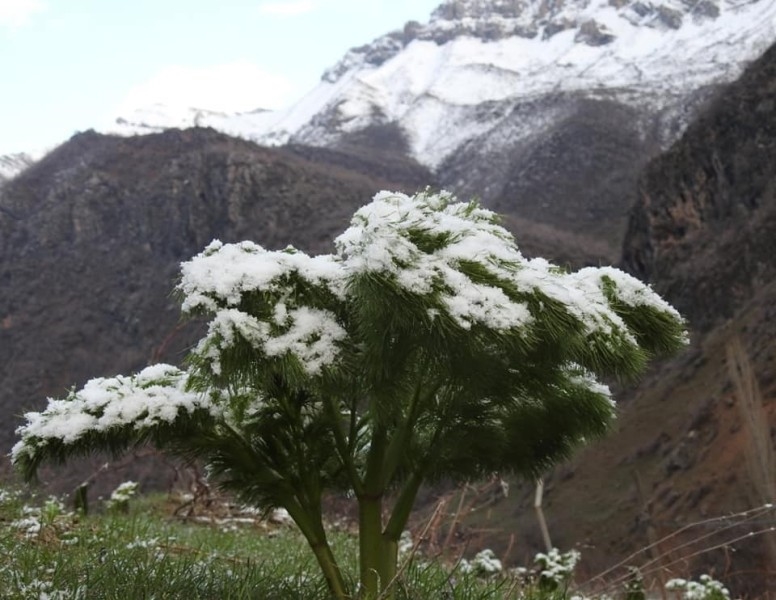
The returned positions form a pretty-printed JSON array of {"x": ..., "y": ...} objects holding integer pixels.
[
  {"x": 51, "y": 553},
  {"x": 143, "y": 554},
  {"x": 144, "y": 550}
]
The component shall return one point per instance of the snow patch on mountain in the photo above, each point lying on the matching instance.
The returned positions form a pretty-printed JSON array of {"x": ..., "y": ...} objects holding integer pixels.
[
  {"x": 458, "y": 76},
  {"x": 427, "y": 87}
]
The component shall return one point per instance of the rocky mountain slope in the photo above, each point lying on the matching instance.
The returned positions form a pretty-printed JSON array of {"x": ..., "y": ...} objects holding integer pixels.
[
  {"x": 91, "y": 238},
  {"x": 704, "y": 226}
]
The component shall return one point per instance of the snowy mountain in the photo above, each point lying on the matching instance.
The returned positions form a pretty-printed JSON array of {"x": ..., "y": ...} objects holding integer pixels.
[
  {"x": 464, "y": 73},
  {"x": 545, "y": 109},
  {"x": 460, "y": 75}
]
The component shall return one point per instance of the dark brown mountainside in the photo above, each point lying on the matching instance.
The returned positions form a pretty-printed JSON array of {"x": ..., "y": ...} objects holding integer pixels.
[
  {"x": 704, "y": 233},
  {"x": 578, "y": 174},
  {"x": 704, "y": 227},
  {"x": 91, "y": 238}
]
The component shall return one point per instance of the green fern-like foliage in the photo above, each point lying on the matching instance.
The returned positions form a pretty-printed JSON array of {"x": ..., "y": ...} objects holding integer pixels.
[{"x": 425, "y": 347}]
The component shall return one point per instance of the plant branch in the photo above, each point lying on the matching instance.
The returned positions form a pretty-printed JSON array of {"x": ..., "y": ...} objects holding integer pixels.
[
  {"x": 344, "y": 446},
  {"x": 403, "y": 436},
  {"x": 403, "y": 506}
]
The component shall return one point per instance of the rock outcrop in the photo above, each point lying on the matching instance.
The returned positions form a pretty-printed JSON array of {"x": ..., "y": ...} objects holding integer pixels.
[
  {"x": 493, "y": 20},
  {"x": 704, "y": 226}
]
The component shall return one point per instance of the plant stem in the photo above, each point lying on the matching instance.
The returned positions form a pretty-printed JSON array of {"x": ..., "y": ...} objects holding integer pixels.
[
  {"x": 344, "y": 446},
  {"x": 310, "y": 523},
  {"x": 331, "y": 570},
  {"x": 370, "y": 542},
  {"x": 403, "y": 506},
  {"x": 388, "y": 567}
]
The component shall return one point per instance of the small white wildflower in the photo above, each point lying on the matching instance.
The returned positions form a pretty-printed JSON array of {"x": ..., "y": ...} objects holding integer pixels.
[
  {"x": 120, "y": 497},
  {"x": 484, "y": 563},
  {"x": 555, "y": 569},
  {"x": 705, "y": 588},
  {"x": 405, "y": 542},
  {"x": 141, "y": 543}
]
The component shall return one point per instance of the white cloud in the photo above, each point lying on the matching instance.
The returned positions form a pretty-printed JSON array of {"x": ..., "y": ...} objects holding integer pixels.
[
  {"x": 287, "y": 8},
  {"x": 233, "y": 87},
  {"x": 16, "y": 13}
]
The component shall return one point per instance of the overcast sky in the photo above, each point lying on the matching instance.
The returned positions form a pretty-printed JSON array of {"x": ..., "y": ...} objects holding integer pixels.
[{"x": 71, "y": 65}]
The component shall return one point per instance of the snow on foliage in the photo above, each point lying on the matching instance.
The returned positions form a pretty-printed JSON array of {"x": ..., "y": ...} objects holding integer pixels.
[
  {"x": 448, "y": 265},
  {"x": 469, "y": 267},
  {"x": 155, "y": 395},
  {"x": 421, "y": 242},
  {"x": 307, "y": 333},
  {"x": 222, "y": 273}
]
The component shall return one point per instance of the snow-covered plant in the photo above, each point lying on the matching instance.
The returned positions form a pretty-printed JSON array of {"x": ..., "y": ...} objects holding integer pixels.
[
  {"x": 484, "y": 564},
  {"x": 120, "y": 497},
  {"x": 555, "y": 569},
  {"x": 425, "y": 347},
  {"x": 406, "y": 543},
  {"x": 51, "y": 515},
  {"x": 634, "y": 585},
  {"x": 52, "y": 508},
  {"x": 706, "y": 588}
]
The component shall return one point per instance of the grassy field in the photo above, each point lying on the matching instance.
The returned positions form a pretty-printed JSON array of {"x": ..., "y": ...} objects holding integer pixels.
[
  {"x": 145, "y": 549},
  {"x": 170, "y": 546}
]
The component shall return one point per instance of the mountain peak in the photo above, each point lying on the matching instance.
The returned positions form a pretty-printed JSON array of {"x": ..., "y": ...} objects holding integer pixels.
[
  {"x": 495, "y": 66},
  {"x": 460, "y": 9},
  {"x": 595, "y": 23},
  {"x": 650, "y": 12}
]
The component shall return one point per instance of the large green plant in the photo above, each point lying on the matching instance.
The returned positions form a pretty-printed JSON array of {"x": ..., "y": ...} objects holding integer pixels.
[{"x": 426, "y": 346}]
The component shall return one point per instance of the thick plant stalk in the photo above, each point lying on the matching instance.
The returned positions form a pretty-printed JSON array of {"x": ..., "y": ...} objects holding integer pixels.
[
  {"x": 311, "y": 526},
  {"x": 370, "y": 519},
  {"x": 392, "y": 533},
  {"x": 403, "y": 507},
  {"x": 330, "y": 570},
  {"x": 389, "y": 567},
  {"x": 371, "y": 547}
]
